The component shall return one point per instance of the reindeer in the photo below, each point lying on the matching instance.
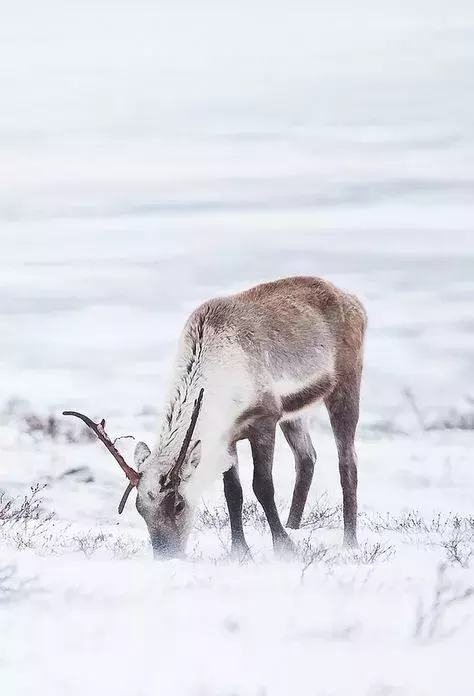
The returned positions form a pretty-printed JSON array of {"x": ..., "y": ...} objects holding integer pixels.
[{"x": 245, "y": 364}]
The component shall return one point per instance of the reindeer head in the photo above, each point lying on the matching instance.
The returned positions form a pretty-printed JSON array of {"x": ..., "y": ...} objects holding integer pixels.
[{"x": 161, "y": 489}]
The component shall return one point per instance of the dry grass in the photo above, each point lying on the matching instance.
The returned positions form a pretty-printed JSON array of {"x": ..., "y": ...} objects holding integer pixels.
[
  {"x": 415, "y": 521},
  {"x": 455, "y": 418},
  {"x": 44, "y": 426},
  {"x": 323, "y": 515},
  {"x": 14, "y": 511},
  {"x": 431, "y": 615}
]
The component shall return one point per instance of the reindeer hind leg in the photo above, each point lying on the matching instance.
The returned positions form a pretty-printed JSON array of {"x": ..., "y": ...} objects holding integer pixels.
[
  {"x": 343, "y": 409},
  {"x": 297, "y": 435}
]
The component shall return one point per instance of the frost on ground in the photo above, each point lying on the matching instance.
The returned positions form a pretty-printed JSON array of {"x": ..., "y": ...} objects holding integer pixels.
[{"x": 84, "y": 608}]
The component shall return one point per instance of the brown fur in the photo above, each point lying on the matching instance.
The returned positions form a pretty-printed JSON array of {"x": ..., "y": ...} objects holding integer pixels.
[
  {"x": 296, "y": 322},
  {"x": 307, "y": 395},
  {"x": 287, "y": 327}
]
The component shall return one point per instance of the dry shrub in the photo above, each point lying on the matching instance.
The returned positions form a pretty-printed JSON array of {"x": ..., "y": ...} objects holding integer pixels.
[
  {"x": 431, "y": 616},
  {"x": 40, "y": 426},
  {"x": 23, "y": 520}
]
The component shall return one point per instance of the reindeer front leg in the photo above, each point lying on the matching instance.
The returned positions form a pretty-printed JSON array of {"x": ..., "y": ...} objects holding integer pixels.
[
  {"x": 262, "y": 443},
  {"x": 234, "y": 498}
]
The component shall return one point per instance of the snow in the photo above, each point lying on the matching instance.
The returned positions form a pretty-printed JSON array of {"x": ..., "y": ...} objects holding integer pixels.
[
  {"x": 153, "y": 155},
  {"x": 92, "y": 620}
]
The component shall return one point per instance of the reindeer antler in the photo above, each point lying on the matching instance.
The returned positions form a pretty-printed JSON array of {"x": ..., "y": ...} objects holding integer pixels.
[
  {"x": 172, "y": 478},
  {"x": 99, "y": 429}
]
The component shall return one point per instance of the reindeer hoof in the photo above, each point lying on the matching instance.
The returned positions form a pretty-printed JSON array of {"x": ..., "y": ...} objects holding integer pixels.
[
  {"x": 240, "y": 553},
  {"x": 285, "y": 549},
  {"x": 350, "y": 542}
]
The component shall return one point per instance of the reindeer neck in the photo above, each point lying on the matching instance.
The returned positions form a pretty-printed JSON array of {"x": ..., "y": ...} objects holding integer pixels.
[
  {"x": 177, "y": 415},
  {"x": 184, "y": 390}
]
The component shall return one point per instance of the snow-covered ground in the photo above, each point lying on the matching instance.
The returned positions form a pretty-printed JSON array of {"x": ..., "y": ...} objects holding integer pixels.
[{"x": 153, "y": 155}]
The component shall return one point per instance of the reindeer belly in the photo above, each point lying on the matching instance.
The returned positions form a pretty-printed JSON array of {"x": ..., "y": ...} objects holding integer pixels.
[
  {"x": 297, "y": 397},
  {"x": 305, "y": 378}
]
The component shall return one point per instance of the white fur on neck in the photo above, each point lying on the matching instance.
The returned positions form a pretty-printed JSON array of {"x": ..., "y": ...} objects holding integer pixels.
[{"x": 228, "y": 388}]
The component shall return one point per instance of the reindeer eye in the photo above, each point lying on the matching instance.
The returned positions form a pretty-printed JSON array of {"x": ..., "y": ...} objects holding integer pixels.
[{"x": 179, "y": 507}]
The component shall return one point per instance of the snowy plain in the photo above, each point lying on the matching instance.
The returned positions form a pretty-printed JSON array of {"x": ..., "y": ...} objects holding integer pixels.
[{"x": 153, "y": 155}]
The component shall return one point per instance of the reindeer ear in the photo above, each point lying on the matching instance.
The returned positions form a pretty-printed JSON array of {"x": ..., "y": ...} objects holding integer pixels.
[
  {"x": 142, "y": 452},
  {"x": 191, "y": 462}
]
